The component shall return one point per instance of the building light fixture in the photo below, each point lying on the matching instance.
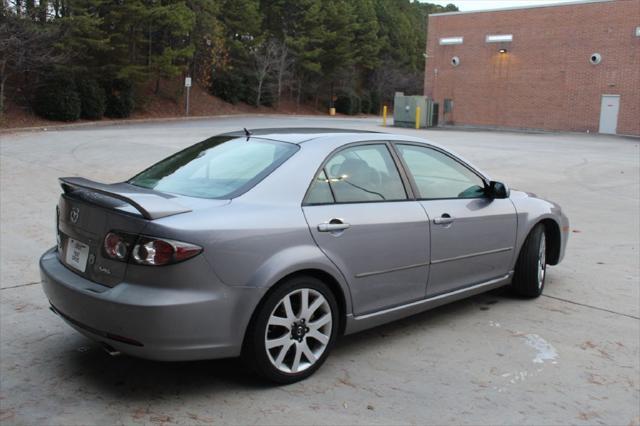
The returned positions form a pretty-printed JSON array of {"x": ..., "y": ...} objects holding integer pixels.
[
  {"x": 499, "y": 38},
  {"x": 502, "y": 51},
  {"x": 451, "y": 40}
]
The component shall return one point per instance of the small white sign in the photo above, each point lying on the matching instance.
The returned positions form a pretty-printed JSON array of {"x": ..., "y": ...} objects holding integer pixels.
[
  {"x": 77, "y": 254},
  {"x": 187, "y": 82}
]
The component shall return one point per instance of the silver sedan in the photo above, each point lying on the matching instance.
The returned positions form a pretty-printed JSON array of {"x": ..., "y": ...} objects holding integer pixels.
[{"x": 271, "y": 244}]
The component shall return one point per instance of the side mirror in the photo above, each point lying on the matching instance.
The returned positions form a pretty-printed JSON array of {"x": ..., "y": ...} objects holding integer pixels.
[{"x": 498, "y": 190}]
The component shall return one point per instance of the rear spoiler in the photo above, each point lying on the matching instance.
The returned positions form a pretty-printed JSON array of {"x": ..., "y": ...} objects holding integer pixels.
[{"x": 151, "y": 205}]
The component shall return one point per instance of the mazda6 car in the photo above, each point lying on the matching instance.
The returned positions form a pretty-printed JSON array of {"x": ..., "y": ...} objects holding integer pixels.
[{"x": 271, "y": 244}]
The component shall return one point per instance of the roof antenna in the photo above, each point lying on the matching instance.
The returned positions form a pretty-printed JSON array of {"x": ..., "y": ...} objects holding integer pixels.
[{"x": 247, "y": 133}]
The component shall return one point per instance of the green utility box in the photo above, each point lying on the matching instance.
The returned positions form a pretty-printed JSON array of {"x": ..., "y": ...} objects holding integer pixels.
[{"x": 404, "y": 110}]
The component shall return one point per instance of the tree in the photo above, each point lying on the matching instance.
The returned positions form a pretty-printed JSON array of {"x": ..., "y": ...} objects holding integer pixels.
[
  {"x": 83, "y": 38},
  {"x": 284, "y": 62},
  {"x": 366, "y": 43},
  {"x": 302, "y": 31},
  {"x": 242, "y": 50},
  {"x": 233, "y": 72},
  {"x": 207, "y": 38},
  {"x": 25, "y": 49},
  {"x": 339, "y": 24},
  {"x": 169, "y": 46},
  {"x": 265, "y": 57}
]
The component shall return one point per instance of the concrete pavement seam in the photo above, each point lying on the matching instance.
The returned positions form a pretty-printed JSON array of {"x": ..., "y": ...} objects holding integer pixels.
[
  {"x": 20, "y": 285},
  {"x": 591, "y": 306}
]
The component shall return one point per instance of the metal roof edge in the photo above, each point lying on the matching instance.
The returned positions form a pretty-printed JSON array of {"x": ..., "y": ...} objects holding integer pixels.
[{"x": 533, "y": 6}]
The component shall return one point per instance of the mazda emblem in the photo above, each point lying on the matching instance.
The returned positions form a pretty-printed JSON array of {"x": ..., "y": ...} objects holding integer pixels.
[{"x": 74, "y": 215}]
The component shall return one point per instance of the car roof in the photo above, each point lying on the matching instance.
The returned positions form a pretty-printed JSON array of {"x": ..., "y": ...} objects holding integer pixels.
[
  {"x": 334, "y": 138},
  {"x": 297, "y": 135},
  {"x": 328, "y": 136}
]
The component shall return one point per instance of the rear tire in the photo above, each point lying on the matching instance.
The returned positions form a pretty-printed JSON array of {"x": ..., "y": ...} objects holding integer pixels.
[
  {"x": 292, "y": 331},
  {"x": 530, "y": 272}
]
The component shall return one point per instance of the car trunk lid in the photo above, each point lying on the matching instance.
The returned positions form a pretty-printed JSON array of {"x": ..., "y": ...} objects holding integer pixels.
[{"x": 88, "y": 210}]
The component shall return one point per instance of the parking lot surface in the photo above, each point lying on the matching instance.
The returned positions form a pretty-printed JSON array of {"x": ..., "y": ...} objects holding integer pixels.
[{"x": 571, "y": 356}]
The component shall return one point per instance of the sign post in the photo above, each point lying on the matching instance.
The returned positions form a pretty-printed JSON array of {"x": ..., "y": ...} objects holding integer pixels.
[{"x": 187, "y": 84}]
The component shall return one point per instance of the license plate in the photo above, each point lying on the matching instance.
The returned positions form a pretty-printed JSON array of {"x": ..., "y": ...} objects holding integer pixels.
[{"x": 77, "y": 254}]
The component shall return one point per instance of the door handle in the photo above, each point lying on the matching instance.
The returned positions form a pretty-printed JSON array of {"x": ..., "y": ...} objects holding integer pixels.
[
  {"x": 445, "y": 219},
  {"x": 333, "y": 226}
]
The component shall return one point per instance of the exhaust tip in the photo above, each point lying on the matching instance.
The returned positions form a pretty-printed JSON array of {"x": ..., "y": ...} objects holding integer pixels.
[{"x": 109, "y": 349}]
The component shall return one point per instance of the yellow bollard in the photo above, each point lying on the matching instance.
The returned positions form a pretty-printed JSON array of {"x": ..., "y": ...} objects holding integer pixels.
[
  {"x": 417, "y": 117},
  {"x": 384, "y": 116}
]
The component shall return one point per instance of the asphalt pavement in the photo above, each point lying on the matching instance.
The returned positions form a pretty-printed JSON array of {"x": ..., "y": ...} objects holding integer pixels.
[{"x": 571, "y": 356}]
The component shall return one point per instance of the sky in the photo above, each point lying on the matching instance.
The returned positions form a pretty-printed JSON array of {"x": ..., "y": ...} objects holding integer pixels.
[{"x": 468, "y": 5}]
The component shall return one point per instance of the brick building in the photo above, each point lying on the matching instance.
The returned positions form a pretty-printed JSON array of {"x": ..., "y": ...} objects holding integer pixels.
[{"x": 572, "y": 66}]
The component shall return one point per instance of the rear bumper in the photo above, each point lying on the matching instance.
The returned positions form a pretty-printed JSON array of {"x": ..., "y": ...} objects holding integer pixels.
[{"x": 152, "y": 322}]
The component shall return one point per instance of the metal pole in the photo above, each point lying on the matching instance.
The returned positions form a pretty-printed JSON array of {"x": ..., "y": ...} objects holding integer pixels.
[
  {"x": 417, "y": 117},
  {"x": 384, "y": 116},
  {"x": 187, "y": 108}
]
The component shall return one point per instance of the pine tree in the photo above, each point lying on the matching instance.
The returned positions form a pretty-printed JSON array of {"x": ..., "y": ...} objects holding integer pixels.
[
  {"x": 303, "y": 35},
  {"x": 83, "y": 41},
  {"x": 339, "y": 22},
  {"x": 207, "y": 39},
  {"x": 232, "y": 79},
  {"x": 366, "y": 42},
  {"x": 169, "y": 45}
]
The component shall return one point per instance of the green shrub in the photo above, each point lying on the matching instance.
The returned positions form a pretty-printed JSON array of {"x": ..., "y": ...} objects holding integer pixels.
[
  {"x": 120, "y": 101},
  {"x": 375, "y": 103},
  {"x": 365, "y": 104},
  {"x": 92, "y": 98},
  {"x": 356, "y": 105},
  {"x": 343, "y": 104},
  {"x": 348, "y": 104},
  {"x": 227, "y": 86},
  {"x": 268, "y": 98},
  {"x": 56, "y": 98}
]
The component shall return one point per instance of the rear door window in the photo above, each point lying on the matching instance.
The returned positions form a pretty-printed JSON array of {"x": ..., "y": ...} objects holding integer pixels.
[{"x": 362, "y": 173}]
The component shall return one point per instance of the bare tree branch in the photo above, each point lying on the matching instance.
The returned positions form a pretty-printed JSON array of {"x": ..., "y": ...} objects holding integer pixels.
[{"x": 265, "y": 57}]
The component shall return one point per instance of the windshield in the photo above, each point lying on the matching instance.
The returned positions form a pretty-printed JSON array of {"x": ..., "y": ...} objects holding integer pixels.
[{"x": 220, "y": 167}]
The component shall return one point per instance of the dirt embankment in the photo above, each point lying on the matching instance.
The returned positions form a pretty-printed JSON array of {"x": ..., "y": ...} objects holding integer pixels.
[{"x": 168, "y": 103}]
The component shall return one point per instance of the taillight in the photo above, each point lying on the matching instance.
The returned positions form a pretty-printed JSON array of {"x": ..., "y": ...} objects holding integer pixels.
[
  {"x": 146, "y": 250},
  {"x": 116, "y": 246},
  {"x": 157, "y": 251}
]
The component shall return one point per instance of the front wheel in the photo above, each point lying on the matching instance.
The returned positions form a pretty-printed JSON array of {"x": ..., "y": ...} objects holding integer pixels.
[
  {"x": 293, "y": 330},
  {"x": 531, "y": 268}
]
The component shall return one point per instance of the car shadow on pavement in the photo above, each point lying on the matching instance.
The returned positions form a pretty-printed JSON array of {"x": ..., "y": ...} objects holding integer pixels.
[
  {"x": 132, "y": 379},
  {"x": 442, "y": 315}
]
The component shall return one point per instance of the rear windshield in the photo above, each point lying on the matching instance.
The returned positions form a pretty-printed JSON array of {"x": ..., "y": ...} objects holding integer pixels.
[{"x": 220, "y": 167}]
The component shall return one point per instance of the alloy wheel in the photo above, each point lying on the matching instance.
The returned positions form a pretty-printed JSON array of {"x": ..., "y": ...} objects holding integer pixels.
[
  {"x": 542, "y": 260},
  {"x": 298, "y": 330}
]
